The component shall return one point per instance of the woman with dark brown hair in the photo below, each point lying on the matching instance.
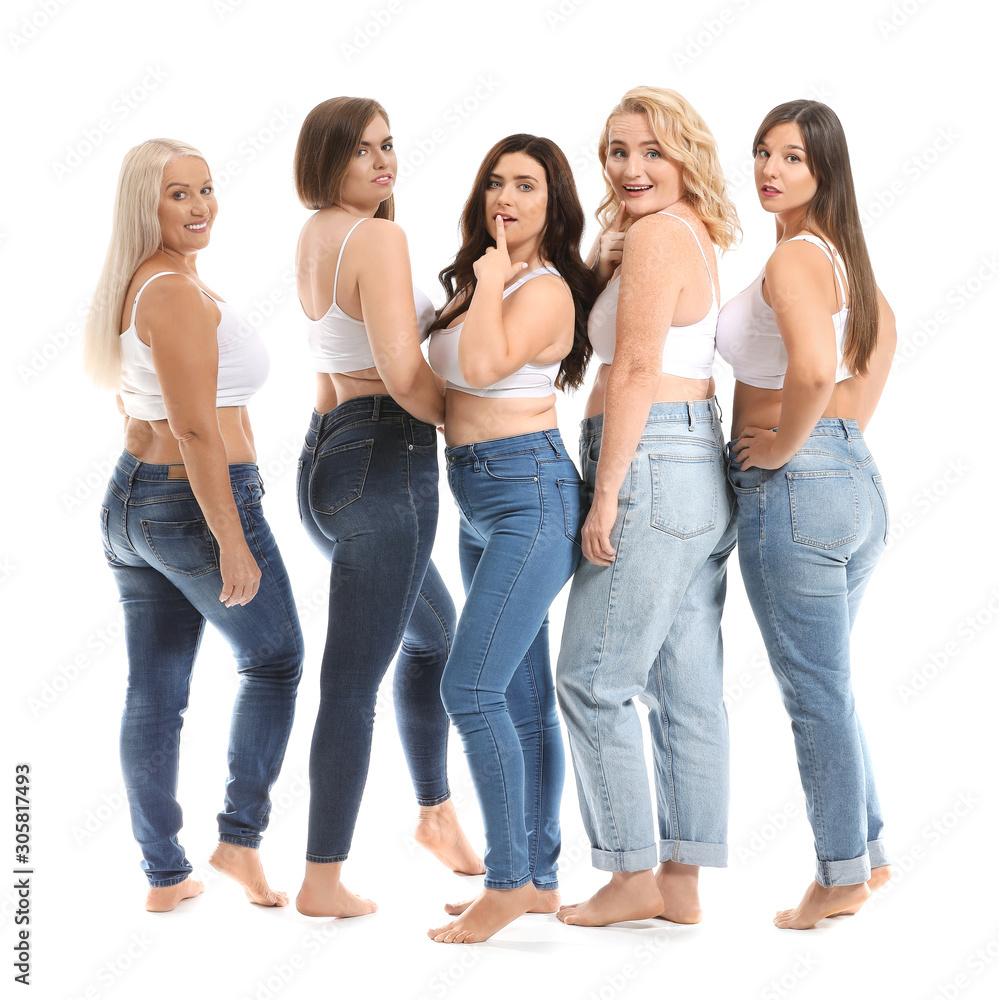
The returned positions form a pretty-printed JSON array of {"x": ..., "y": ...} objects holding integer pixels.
[
  {"x": 811, "y": 342},
  {"x": 512, "y": 332},
  {"x": 368, "y": 495}
]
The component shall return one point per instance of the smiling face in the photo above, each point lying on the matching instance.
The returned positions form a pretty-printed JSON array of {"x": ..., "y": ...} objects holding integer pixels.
[
  {"x": 639, "y": 168},
  {"x": 784, "y": 180},
  {"x": 517, "y": 189},
  {"x": 370, "y": 177},
  {"x": 187, "y": 205}
]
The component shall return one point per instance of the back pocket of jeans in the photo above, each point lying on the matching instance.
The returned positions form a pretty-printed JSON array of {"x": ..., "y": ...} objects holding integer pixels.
[
  {"x": 185, "y": 547},
  {"x": 338, "y": 476},
  {"x": 684, "y": 494},
  {"x": 825, "y": 511}
]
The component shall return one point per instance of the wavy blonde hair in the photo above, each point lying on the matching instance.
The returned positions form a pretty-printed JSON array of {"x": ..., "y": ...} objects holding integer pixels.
[
  {"x": 684, "y": 137},
  {"x": 135, "y": 237}
]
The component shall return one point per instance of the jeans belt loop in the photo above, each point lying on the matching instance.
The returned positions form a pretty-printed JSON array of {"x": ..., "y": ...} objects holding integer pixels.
[
  {"x": 691, "y": 416},
  {"x": 475, "y": 458},
  {"x": 551, "y": 441},
  {"x": 377, "y": 408}
]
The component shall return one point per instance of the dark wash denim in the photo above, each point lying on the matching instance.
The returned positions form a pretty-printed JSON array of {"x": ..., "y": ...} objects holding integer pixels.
[
  {"x": 165, "y": 563},
  {"x": 367, "y": 488},
  {"x": 810, "y": 535},
  {"x": 519, "y": 499}
]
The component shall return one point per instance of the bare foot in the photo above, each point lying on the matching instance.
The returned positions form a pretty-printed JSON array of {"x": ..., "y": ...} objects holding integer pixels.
[
  {"x": 242, "y": 865},
  {"x": 163, "y": 898},
  {"x": 490, "y": 911},
  {"x": 820, "y": 902},
  {"x": 549, "y": 901},
  {"x": 324, "y": 895},
  {"x": 678, "y": 887},
  {"x": 879, "y": 877},
  {"x": 439, "y": 831},
  {"x": 627, "y": 896}
]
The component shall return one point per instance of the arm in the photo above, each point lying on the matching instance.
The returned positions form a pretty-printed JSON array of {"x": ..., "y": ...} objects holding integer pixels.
[
  {"x": 500, "y": 336},
  {"x": 800, "y": 286},
  {"x": 650, "y": 287},
  {"x": 605, "y": 254},
  {"x": 385, "y": 288},
  {"x": 180, "y": 323}
]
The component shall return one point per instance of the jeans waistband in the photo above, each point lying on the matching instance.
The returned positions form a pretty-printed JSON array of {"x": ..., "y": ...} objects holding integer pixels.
[
  {"x": 837, "y": 427},
  {"x": 352, "y": 411},
  {"x": 549, "y": 441},
  {"x": 130, "y": 468},
  {"x": 693, "y": 412}
]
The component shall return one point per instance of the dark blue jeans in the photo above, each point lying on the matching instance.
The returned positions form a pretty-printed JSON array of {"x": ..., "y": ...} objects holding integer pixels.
[
  {"x": 367, "y": 488},
  {"x": 165, "y": 563}
]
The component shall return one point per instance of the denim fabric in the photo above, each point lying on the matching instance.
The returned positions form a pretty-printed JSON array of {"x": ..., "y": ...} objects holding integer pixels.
[
  {"x": 519, "y": 499},
  {"x": 367, "y": 488},
  {"x": 810, "y": 534},
  {"x": 165, "y": 563},
  {"x": 649, "y": 627}
]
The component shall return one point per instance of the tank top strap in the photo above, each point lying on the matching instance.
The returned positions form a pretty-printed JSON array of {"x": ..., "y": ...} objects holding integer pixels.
[
  {"x": 339, "y": 257},
  {"x": 135, "y": 301},
  {"x": 527, "y": 277},
  {"x": 711, "y": 280},
  {"x": 824, "y": 247}
]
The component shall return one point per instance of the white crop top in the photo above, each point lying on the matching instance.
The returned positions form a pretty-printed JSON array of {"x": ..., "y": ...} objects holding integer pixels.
[
  {"x": 748, "y": 338},
  {"x": 339, "y": 343},
  {"x": 243, "y": 364},
  {"x": 531, "y": 381},
  {"x": 688, "y": 350}
]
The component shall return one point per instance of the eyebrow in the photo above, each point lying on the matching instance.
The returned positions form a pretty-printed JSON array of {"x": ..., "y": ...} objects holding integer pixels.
[
  {"x": 381, "y": 142},
  {"x": 622, "y": 142},
  {"x": 517, "y": 177},
  {"x": 789, "y": 145},
  {"x": 183, "y": 185}
]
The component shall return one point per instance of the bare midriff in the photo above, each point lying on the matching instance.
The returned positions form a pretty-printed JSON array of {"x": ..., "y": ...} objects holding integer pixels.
[
  {"x": 753, "y": 407},
  {"x": 152, "y": 440},
  {"x": 470, "y": 418},
  {"x": 671, "y": 389},
  {"x": 333, "y": 389}
]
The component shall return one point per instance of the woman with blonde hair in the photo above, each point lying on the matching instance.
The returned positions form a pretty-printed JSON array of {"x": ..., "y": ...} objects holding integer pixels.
[
  {"x": 644, "y": 612},
  {"x": 184, "y": 532},
  {"x": 368, "y": 495},
  {"x": 811, "y": 342}
]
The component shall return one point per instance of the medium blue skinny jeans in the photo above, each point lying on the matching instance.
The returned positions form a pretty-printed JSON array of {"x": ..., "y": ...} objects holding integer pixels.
[
  {"x": 519, "y": 499},
  {"x": 165, "y": 563},
  {"x": 810, "y": 534},
  {"x": 367, "y": 487}
]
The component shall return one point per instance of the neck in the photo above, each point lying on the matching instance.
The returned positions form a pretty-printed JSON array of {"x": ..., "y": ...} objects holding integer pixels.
[
  {"x": 790, "y": 223},
  {"x": 187, "y": 261}
]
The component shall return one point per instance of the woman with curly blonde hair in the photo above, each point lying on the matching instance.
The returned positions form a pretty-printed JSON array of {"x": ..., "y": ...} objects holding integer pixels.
[{"x": 644, "y": 613}]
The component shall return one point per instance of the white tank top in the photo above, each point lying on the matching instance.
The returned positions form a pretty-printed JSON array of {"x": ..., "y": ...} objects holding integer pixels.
[
  {"x": 748, "y": 338},
  {"x": 243, "y": 363},
  {"x": 339, "y": 343},
  {"x": 688, "y": 351},
  {"x": 531, "y": 381}
]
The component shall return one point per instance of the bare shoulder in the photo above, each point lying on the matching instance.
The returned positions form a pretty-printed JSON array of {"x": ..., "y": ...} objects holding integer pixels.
[
  {"x": 547, "y": 289},
  {"x": 176, "y": 302},
  {"x": 378, "y": 234},
  {"x": 798, "y": 263}
]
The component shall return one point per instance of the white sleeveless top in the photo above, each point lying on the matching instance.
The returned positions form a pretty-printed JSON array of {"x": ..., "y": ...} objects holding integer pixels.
[
  {"x": 339, "y": 343},
  {"x": 748, "y": 338},
  {"x": 688, "y": 351},
  {"x": 243, "y": 363},
  {"x": 531, "y": 381}
]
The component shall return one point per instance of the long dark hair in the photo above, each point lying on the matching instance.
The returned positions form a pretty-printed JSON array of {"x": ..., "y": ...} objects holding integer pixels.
[
  {"x": 559, "y": 244},
  {"x": 330, "y": 136},
  {"x": 833, "y": 212}
]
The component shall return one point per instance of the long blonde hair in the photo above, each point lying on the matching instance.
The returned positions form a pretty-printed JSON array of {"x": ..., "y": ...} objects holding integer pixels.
[
  {"x": 684, "y": 136},
  {"x": 135, "y": 237}
]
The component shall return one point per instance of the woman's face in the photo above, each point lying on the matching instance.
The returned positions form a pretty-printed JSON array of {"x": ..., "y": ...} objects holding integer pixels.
[
  {"x": 640, "y": 171},
  {"x": 187, "y": 205},
  {"x": 517, "y": 189},
  {"x": 370, "y": 176},
  {"x": 784, "y": 181}
]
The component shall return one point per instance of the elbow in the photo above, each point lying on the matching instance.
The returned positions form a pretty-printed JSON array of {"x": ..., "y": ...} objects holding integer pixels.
[
  {"x": 636, "y": 372},
  {"x": 478, "y": 375},
  {"x": 403, "y": 379}
]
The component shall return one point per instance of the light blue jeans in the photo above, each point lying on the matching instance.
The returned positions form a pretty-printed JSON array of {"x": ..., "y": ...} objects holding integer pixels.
[
  {"x": 520, "y": 520},
  {"x": 810, "y": 534},
  {"x": 649, "y": 627}
]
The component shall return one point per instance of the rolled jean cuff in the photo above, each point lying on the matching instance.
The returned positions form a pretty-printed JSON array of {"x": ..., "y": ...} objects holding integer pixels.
[
  {"x": 852, "y": 872},
  {"x": 692, "y": 852},
  {"x": 317, "y": 859},
  {"x": 545, "y": 885},
  {"x": 160, "y": 883},
  {"x": 228, "y": 838},
  {"x": 492, "y": 883},
  {"x": 623, "y": 861},
  {"x": 878, "y": 853},
  {"x": 433, "y": 802}
]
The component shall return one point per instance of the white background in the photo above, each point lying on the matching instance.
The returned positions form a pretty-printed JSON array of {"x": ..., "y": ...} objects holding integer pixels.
[{"x": 235, "y": 78}]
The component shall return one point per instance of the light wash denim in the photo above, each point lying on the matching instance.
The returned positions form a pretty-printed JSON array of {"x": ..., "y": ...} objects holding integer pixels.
[
  {"x": 367, "y": 487},
  {"x": 519, "y": 499},
  {"x": 165, "y": 563},
  {"x": 649, "y": 627},
  {"x": 810, "y": 534}
]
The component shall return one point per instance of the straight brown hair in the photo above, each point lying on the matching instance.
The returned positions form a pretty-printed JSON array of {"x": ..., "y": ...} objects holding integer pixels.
[
  {"x": 833, "y": 212},
  {"x": 330, "y": 136}
]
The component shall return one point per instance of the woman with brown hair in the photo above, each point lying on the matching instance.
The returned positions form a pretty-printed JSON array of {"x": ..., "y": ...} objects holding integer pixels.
[
  {"x": 811, "y": 342},
  {"x": 512, "y": 331},
  {"x": 368, "y": 495}
]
